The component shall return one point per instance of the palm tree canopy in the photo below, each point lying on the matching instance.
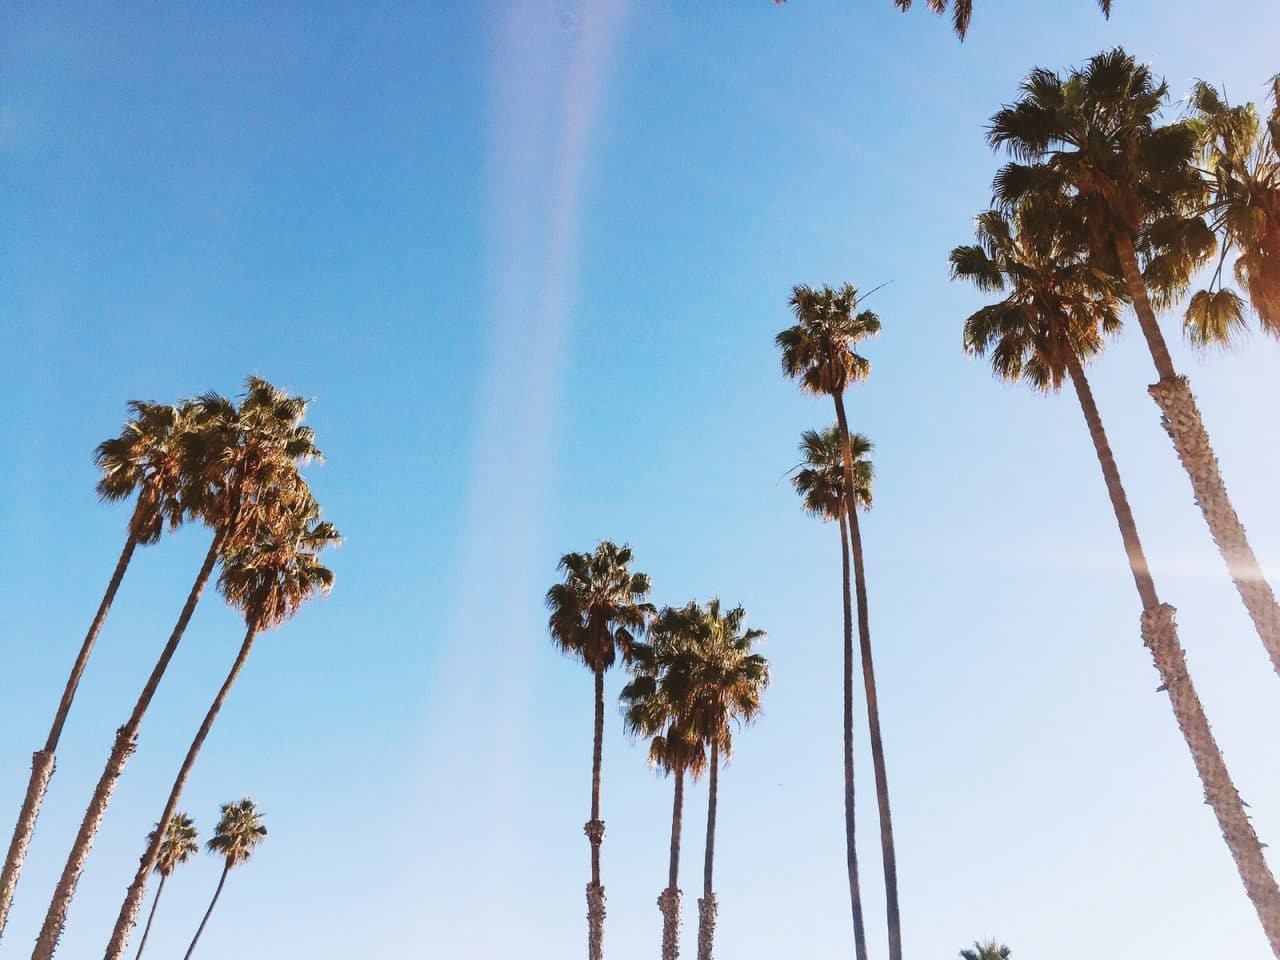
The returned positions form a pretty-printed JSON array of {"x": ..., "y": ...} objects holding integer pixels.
[
  {"x": 990, "y": 950},
  {"x": 238, "y": 833},
  {"x": 1058, "y": 303},
  {"x": 599, "y": 610},
  {"x": 1241, "y": 158},
  {"x": 272, "y": 577},
  {"x": 819, "y": 350},
  {"x": 651, "y": 705},
  {"x": 179, "y": 844},
  {"x": 1094, "y": 135},
  {"x": 961, "y": 11},
  {"x": 819, "y": 476},
  {"x": 148, "y": 458}
]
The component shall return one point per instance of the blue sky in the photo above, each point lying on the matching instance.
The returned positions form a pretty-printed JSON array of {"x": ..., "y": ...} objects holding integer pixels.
[{"x": 528, "y": 259}]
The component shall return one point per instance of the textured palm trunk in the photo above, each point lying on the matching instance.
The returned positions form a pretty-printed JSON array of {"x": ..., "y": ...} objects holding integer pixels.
[
  {"x": 851, "y": 849},
  {"x": 42, "y": 762},
  {"x": 594, "y": 830},
  {"x": 707, "y": 905},
  {"x": 1160, "y": 634},
  {"x": 146, "y": 931},
  {"x": 128, "y": 916},
  {"x": 125, "y": 743},
  {"x": 1181, "y": 420},
  {"x": 205, "y": 920},
  {"x": 669, "y": 899}
]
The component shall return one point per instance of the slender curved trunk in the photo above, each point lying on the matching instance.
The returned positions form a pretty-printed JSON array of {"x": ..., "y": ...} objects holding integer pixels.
[
  {"x": 707, "y": 905},
  {"x": 669, "y": 899},
  {"x": 128, "y": 916},
  {"x": 887, "y": 849},
  {"x": 42, "y": 761},
  {"x": 212, "y": 903},
  {"x": 125, "y": 743},
  {"x": 1160, "y": 634},
  {"x": 594, "y": 830},
  {"x": 851, "y": 850},
  {"x": 146, "y": 931},
  {"x": 1181, "y": 419}
]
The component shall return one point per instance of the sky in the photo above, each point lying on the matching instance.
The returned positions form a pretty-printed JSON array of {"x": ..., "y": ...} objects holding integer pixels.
[{"x": 528, "y": 259}]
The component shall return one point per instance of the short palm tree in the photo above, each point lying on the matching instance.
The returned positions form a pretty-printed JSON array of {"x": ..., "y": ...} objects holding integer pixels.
[
  {"x": 652, "y": 711},
  {"x": 598, "y": 611},
  {"x": 237, "y": 835},
  {"x": 267, "y": 582},
  {"x": 988, "y": 950},
  {"x": 1056, "y": 312},
  {"x": 820, "y": 350},
  {"x": 1241, "y": 155},
  {"x": 147, "y": 461},
  {"x": 718, "y": 682},
  {"x": 243, "y": 466},
  {"x": 1094, "y": 135},
  {"x": 177, "y": 844}
]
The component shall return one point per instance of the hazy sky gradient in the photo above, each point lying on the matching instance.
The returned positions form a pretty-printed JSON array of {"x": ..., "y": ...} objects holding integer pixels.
[{"x": 528, "y": 258}]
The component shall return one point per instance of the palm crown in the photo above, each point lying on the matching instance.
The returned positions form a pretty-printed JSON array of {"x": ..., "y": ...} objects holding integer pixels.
[
  {"x": 990, "y": 950},
  {"x": 1058, "y": 306},
  {"x": 149, "y": 458},
  {"x": 179, "y": 844},
  {"x": 819, "y": 477},
  {"x": 599, "y": 610},
  {"x": 819, "y": 350},
  {"x": 238, "y": 833}
]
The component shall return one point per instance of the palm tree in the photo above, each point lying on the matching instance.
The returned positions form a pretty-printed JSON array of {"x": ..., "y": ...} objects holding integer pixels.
[
  {"x": 147, "y": 459},
  {"x": 244, "y": 465},
  {"x": 235, "y": 838},
  {"x": 598, "y": 612},
  {"x": 1057, "y": 310},
  {"x": 268, "y": 582},
  {"x": 819, "y": 351},
  {"x": 717, "y": 680},
  {"x": 651, "y": 710},
  {"x": 1095, "y": 137},
  {"x": 1242, "y": 160},
  {"x": 990, "y": 950},
  {"x": 176, "y": 845},
  {"x": 961, "y": 12}
]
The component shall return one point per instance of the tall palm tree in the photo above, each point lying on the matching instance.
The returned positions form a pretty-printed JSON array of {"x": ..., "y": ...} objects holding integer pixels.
[
  {"x": 652, "y": 711},
  {"x": 961, "y": 11},
  {"x": 234, "y": 839},
  {"x": 1095, "y": 136},
  {"x": 1241, "y": 156},
  {"x": 717, "y": 680},
  {"x": 598, "y": 612},
  {"x": 245, "y": 462},
  {"x": 1057, "y": 309},
  {"x": 175, "y": 845},
  {"x": 819, "y": 350},
  {"x": 148, "y": 459},
  {"x": 267, "y": 582},
  {"x": 989, "y": 950}
]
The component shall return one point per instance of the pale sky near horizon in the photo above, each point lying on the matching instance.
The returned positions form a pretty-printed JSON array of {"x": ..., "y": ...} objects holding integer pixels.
[{"x": 528, "y": 258}]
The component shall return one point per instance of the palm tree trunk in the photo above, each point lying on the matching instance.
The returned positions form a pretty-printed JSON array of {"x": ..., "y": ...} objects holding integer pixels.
[
  {"x": 1181, "y": 420},
  {"x": 125, "y": 743},
  {"x": 42, "y": 761},
  {"x": 887, "y": 850},
  {"x": 851, "y": 850},
  {"x": 146, "y": 931},
  {"x": 707, "y": 905},
  {"x": 137, "y": 890},
  {"x": 213, "y": 903},
  {"x": 669, "y": 899},
  {"x": 595, "y": 833},
  {"x": 1160, "y": 634}
]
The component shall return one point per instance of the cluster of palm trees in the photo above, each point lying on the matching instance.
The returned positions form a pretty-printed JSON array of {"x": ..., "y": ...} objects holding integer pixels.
[
  {"x": 1104, "y": 206},
  {"x": 236, "y": 468},
  {"x": 237, "y": 835},
  {"x": 694, "y": 675}
]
